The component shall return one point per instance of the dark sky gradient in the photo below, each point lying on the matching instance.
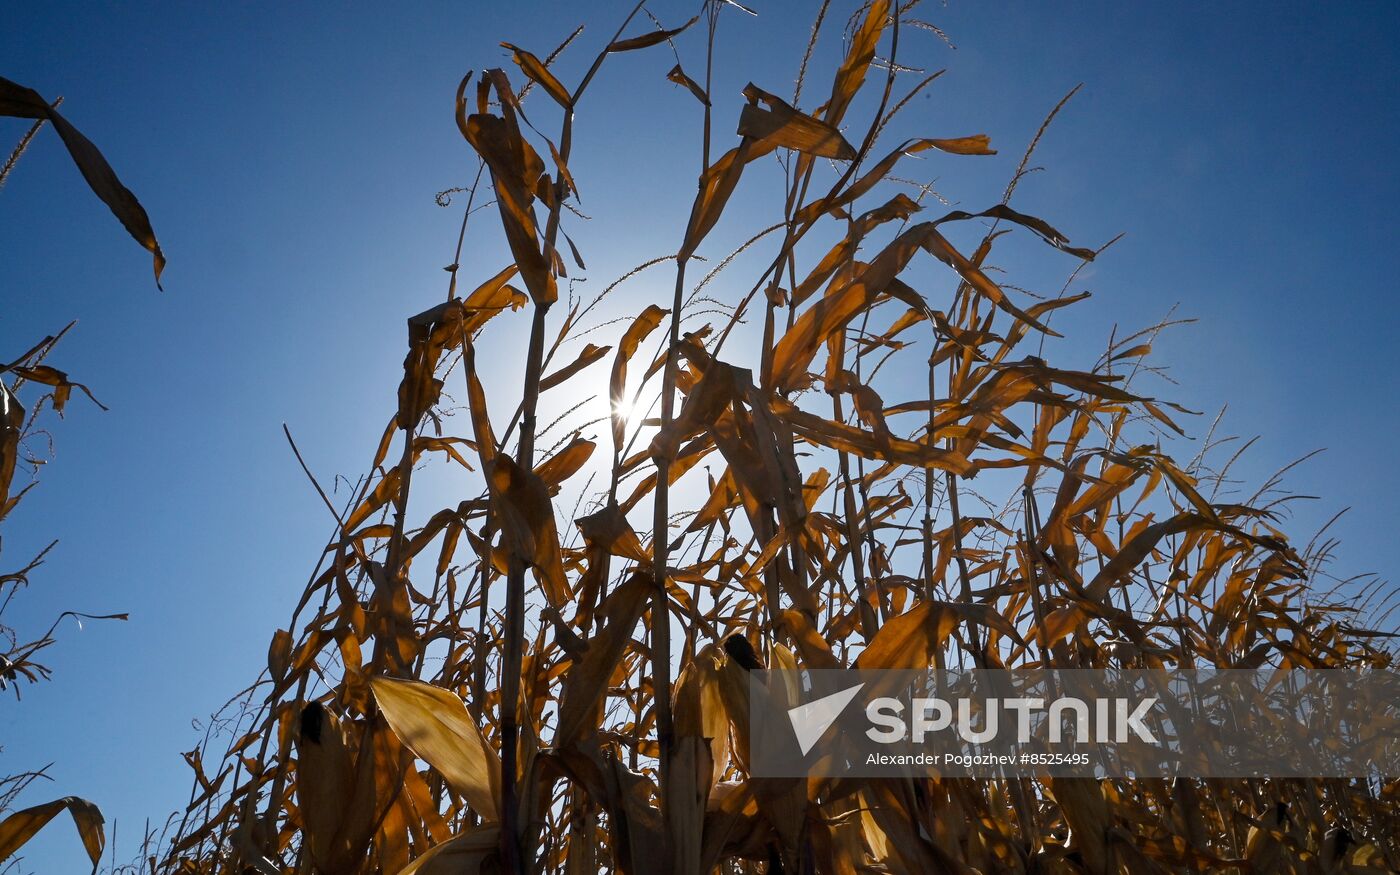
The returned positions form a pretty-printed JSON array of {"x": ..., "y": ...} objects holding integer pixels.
[{"x": 289, "y": 154}]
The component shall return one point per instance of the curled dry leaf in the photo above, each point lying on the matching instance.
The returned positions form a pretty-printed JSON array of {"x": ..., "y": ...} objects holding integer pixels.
[
  {"x": 526, "y": 520},
  {"x": 784, "y": 127},
  {"x": 51, "y": 376},
  {"x": 678, "y": 76}
]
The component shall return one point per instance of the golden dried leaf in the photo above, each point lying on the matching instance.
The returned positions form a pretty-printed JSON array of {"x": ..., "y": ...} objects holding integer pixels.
[
  {"x": 537, "y": 71},
  {"x": 588, "y": 356},
  {"x": 641, "y": 327},
  {"x": 279, "y": 655},
  {"x": 21, "y": 826},
  {"x": 608, "y": 528},
  {"x": 717, "y": 183},
  {"x": 515, "y": 170},
  {"x": 851, "y": 75},
  {"x": 51, "y": 376},
  {"x": 435, "y": 725},
  {"x": 526, "y": 519},
  {"x": 974, "y": 145},
  {"x": 565, "y": 463},
  {"x": 782, "y": 126}
]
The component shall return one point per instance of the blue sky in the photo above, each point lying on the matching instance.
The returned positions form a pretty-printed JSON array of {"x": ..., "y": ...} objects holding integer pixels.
[{"x": 288, "y": 156}]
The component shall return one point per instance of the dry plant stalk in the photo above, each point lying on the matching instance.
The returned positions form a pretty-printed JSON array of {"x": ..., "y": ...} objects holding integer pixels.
[{"x": 415, "y": 718}]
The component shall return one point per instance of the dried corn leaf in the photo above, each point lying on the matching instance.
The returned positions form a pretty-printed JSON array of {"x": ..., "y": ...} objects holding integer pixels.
[
  {"x": 641, "y": 327},
  {"x": 435, "y": 725},
  {"x": 649, "y": 39},
  {"x": 534, "y": 68},
  {"x": 565, "y": 463},
  {"x": 678, "y": 76},
  {"x": 11, "y": 426},
  {"x": 18, "y": 101},
  {"x": 851, "y": 74},
  {"x": 784, "y": 127},
  {"x": 588, "y": 356},
  {"x": 515, "y": 170},
  {"x": 20, "y": 827},
  {"x": 526, "y": 519},
  {"x": 587, "y": 681}
]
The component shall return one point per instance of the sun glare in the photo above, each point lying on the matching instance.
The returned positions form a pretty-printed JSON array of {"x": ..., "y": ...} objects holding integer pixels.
[{"x": 622, "y": 408}]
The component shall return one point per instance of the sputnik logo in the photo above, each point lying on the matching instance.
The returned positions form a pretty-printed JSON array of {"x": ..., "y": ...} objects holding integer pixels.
[{"x": 810, "y": 721}]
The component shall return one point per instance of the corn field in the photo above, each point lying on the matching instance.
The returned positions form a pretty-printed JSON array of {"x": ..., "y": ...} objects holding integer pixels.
[{"x": 549, "y": 673}]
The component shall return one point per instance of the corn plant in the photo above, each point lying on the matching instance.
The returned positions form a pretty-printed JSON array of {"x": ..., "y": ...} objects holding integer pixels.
[{"x": 550, "y": 673}]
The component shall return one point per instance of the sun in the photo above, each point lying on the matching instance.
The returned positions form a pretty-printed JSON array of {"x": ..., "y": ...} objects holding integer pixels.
[{"x": 623, "y": 408}]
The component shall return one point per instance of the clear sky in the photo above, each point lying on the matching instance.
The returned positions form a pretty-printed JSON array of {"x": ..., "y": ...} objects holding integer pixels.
[{"x": 289, "y": 154}]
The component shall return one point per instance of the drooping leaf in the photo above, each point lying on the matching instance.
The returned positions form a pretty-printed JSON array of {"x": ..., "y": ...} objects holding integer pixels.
[
  {"x": 678, "y": 76},
  {"x": 515, "y": 170},
  {"x": 20, "y": 102},
  {"x": 19, "y": 827},
  {"x": 909, "y": 640},
  {"x": 435, "y": 725},
  {"x": 526, "y": 518},
  {"x": 51, "y": 376},
  {"x": 608, "y": 528},
  {"x": 11, "y": 426}
]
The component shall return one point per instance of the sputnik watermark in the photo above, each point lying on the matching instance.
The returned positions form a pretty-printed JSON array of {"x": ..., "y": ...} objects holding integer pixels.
[
  {"x": 1075, "y": 723},
  {"x": 810, "y": 721},
  {"x": 1112, "y": 721}
]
